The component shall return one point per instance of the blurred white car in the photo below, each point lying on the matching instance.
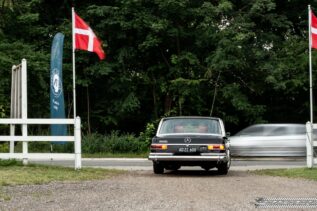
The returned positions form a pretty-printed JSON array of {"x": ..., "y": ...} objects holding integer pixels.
[{"x": 270, "y": 140}]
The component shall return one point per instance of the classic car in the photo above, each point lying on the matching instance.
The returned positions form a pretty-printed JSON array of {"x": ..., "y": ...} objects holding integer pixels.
[{"x": 190, "y": 141}]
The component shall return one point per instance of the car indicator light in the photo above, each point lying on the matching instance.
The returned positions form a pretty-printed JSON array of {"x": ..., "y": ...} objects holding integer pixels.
[
  {"x": 159, "y": 146},
  {"x": 164, "y": 146}
]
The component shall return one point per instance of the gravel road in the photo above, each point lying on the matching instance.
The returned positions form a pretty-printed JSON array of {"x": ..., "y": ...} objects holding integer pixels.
[{"x": 142, "y": 190}]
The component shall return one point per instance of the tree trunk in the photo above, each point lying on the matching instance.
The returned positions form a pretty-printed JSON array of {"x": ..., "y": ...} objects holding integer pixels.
[
  {"x": 154, "y": 101},
  {"x": 88, "y": 110},
  {"x": 168, "y": 103},
  {"x": 215, "y": 93}
]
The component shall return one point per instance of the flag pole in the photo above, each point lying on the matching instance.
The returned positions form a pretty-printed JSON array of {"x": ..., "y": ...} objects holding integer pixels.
[
  {"x": 73, "y": 52},
  {"x": 310, "y": 66}
]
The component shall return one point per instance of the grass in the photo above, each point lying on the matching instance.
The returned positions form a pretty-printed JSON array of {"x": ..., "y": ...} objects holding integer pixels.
[
  {"x": 14, "y": 173},
  {"x": 303, "y": 173}
]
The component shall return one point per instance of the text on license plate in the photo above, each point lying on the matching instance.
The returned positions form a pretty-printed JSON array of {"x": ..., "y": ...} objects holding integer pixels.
[{"x": 187, "y": 149}]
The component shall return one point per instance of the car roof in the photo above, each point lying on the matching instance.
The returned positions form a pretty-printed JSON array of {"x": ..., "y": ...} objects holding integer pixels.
[
  {"x": 278, "y": 124},
  {"x": 270, "y": 128}
]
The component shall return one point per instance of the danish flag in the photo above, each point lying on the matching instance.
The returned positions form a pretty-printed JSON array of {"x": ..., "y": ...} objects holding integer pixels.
[
  {"x": 85, "y": 38},
  {"x": 313, "y": 30}
]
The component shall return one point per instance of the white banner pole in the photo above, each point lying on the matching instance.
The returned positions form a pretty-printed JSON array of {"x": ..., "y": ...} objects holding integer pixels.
[
  {"x": 74, "y": 72},
  {"x": 310, "y": 67}
]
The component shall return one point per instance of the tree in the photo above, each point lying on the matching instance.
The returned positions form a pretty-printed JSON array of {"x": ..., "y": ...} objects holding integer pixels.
[{"x": 243, "y": 61}]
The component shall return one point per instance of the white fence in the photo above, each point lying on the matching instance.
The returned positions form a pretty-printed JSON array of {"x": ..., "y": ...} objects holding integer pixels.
[
  {"x": 19, "y": 117},
  {"x": 310, "y": 144},
  {"x": 76, "y": 138}
]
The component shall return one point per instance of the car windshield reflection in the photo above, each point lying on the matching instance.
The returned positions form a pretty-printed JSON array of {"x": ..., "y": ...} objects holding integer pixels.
[{"x": 172, "y": 126}]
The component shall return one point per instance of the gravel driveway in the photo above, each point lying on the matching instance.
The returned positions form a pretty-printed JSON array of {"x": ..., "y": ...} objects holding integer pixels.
[{"x": 142, "y": 190}]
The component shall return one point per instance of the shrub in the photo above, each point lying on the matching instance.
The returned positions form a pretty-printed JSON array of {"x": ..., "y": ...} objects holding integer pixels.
[
  {"x": 113, "y": 143},
  {"x": 148, "y": 134},
  {"x": 2, "y": 111},
  {"x": 4, "y": 147},
  {"x": 94, "y": 143}
]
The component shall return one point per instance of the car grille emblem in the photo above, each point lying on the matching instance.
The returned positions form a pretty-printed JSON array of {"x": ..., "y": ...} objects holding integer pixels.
[{"x": 187, "y": 140}]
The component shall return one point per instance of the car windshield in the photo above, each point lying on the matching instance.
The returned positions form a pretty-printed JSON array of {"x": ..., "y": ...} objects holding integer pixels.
[
  {"x": 190, "y": 125},
  {"x": 272, "y": 130}
]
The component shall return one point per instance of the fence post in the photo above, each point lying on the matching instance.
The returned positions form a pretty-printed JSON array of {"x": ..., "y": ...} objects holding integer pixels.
[
  {"x": 12, "y": 133},
  {"x": 24, "y": 111},
  {"x": 309, "y": 145},
  {"x": 77, "y": 143}
]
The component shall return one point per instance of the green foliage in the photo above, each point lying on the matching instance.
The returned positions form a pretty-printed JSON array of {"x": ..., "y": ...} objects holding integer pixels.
[
  {"x": 45, "y": 147},
  {"x": 113, "y": 143},
  {"x": 4, "y": 147},
  {"x": 148, "y": 133},
  {"x": 2, "y": 111},
  {"x": 245, "y": 60}
]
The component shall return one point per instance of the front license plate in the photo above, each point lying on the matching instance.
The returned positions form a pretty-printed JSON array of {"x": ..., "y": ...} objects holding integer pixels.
[{"x": 187, "y": 149}]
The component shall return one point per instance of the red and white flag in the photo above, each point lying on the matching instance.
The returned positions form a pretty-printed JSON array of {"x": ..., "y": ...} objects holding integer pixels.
[
  {"x": 85, "y": 38},
  {"x": 313, "y": 30}
]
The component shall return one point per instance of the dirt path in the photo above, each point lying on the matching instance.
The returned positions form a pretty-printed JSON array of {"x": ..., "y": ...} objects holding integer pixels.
[{"x": 142, "y": 190}]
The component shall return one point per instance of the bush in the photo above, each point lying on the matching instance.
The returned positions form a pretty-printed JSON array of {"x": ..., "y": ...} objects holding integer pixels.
[
  {"x": 95, "y": 143},
  {"x": 91, "y": 143},
  {"x": 148, "y": 134},
  {"x": 4, "y": 147},
  {"x": 113, "y": 143}
]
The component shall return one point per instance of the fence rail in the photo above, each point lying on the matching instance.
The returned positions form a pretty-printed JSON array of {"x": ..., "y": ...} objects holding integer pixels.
[
  {"x": 39, "y": 156},
  {"x": 38, "y": 121}
]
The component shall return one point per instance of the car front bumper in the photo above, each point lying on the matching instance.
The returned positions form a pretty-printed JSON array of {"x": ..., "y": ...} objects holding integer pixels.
[{"x": 219, "y": 157}]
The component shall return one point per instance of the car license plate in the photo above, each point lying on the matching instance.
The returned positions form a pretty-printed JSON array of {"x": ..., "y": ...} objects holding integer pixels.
[{"x": 187, "y": 149}]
